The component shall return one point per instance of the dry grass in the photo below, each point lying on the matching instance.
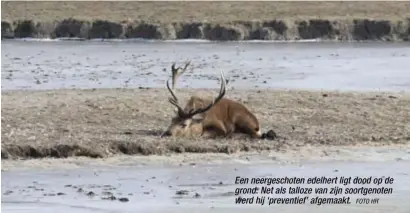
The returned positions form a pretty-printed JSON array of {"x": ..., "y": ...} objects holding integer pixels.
[
  {"x": 200, "y": 11},
  {"x": 101, "y": 122}
]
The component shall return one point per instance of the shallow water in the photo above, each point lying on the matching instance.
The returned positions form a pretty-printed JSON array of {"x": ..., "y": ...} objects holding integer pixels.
[
  {"x": 114, "y": 64},
  {"x": 153, "y": 188}
]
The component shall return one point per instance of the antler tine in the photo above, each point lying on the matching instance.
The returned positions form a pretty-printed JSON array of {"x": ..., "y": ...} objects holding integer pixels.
[
  {"x": 175, "y": 75},
  {"x": 171, "y": 91},
  {"x": 222, "y": 91},
  {"x": 186, "y": 65},
  {"x": 173, "y": 67},
  {"x": 174, "y": 101},
  {"x": 216, "y": 100},
  {"x": 176, "y": 72}
]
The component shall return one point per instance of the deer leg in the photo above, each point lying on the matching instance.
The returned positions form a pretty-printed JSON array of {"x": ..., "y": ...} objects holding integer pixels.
[
  {"x": 217, "y": 127},
  {"x": 230, "y": 130},
  {"x": 209, "y": 133},
  {"x": 253, "y": 132}
]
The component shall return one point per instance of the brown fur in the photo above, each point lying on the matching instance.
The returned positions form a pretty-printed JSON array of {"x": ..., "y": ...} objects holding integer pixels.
[{"x": 224, "y": 118}]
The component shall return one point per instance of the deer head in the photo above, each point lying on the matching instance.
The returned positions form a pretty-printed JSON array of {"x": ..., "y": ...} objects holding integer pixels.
[{"x": 183, "y": 122}]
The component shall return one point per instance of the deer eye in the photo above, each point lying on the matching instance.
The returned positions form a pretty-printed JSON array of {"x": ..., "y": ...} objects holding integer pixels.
[{"x": 183, "y": 125}]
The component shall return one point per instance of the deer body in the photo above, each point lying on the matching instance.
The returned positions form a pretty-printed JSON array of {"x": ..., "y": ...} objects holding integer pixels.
[
  {"x": 210, "y": 117},
  {"x": 225, "y": 117}
]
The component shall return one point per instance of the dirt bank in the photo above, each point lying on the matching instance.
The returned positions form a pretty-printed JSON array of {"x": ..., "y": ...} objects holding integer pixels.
[
  {"x": 214, "y": 21},
  {"x": 103, "y": 122}
]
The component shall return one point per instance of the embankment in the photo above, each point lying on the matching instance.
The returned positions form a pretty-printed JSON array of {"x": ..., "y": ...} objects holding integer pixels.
[
  {"x": 358, "y": 29},
  {"x": 221, "y": 21}
]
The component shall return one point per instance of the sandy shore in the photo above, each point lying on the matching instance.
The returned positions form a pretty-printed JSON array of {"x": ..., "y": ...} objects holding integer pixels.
[
  {"x": 104, "y": 122},
  {"x": 213, "y": 21}
]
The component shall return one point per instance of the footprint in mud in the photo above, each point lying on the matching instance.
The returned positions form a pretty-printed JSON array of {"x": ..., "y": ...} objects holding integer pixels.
[
  {"x": 112, "y": 197},
  {"x": 106, "y": 193},
  {"x": 7, "y": 192},
  {"x": 123, "y": 199},
  {"x": 184, "y": 193},
  {"x": 35, "y": 188},
  {"x": 90, "y": 194}
]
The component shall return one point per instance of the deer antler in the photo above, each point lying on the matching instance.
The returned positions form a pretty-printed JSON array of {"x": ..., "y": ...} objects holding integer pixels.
[
  {"x": 182, "y": 114},
  {"x": 221, "y": 94},
  {"x": 176, "y": 72},
  {"x": 174, "y": 99}
]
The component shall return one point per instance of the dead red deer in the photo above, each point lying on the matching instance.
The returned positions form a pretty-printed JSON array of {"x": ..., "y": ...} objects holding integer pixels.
[{"x": 210, "y": 117}]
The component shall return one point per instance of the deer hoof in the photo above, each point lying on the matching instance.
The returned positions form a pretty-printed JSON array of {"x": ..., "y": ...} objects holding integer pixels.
[{"x": 270, "y": 135}]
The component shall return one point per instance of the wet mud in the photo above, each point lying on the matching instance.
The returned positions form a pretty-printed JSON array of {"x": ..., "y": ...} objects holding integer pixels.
[
  {"x": 202, "y": 187},
  {"x": 39, "y": 65}
]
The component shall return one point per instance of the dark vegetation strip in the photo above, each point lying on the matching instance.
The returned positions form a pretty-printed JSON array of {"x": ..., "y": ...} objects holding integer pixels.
[{"x": 345, "y": 30}]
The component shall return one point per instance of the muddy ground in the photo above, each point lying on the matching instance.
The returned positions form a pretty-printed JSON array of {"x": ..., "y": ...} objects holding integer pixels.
[
  {"x": 187, "y": 188},
  {"x": 103, "y": 122},
  {"x": 180, "y": 11},
  {"x": 192, "y": 188},
  {"x": 213, "y": 21}
]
